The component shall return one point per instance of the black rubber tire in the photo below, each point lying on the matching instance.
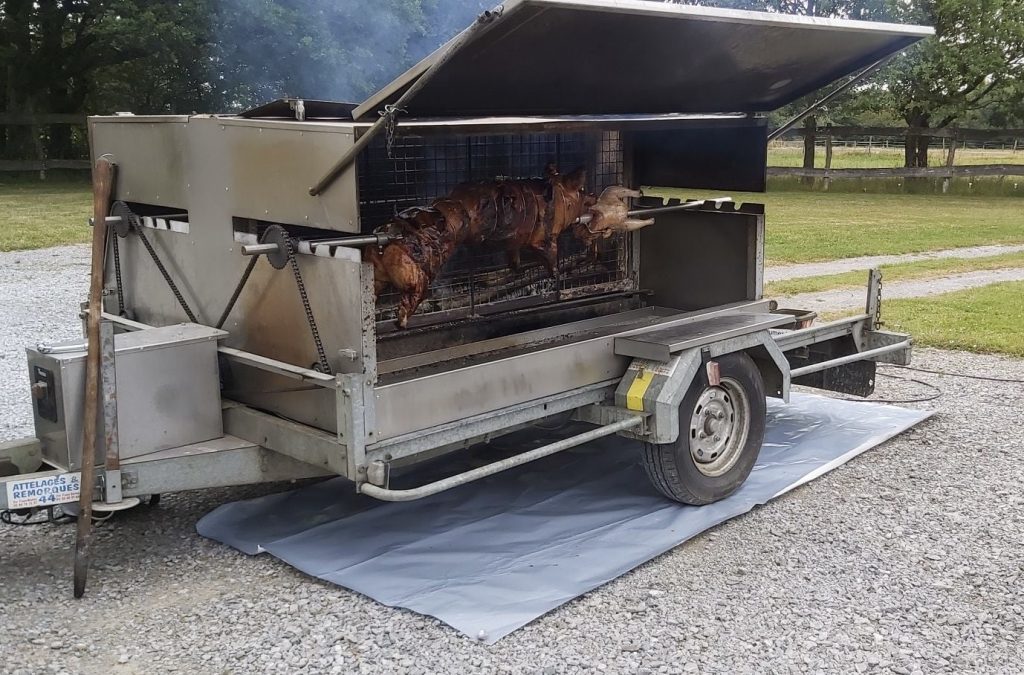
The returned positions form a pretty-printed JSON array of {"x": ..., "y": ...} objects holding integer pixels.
[{"x": 671, "y": 467}]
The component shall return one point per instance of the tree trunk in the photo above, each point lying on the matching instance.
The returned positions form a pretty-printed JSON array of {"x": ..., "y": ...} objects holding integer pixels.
[
  {"x": 915, "y": 152},
  {"x": 810, "y": 138}
]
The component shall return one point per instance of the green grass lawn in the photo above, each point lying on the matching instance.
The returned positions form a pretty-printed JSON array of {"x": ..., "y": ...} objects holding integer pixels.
[
  {"x": 814, "y": 226},
  {"x": 921, "y": 269},
  {"x": 37, "y": 215},
  {"x": 883, "y": 158},
  {"x": 986, "y": 319},
  {"x": 801, "y": 226}
]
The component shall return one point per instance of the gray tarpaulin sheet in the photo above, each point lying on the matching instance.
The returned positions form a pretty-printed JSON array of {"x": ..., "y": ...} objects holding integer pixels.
[{"x": 491, "y": 556}]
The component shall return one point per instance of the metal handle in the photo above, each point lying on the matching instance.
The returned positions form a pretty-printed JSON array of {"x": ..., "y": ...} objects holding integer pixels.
[
  {"x": 429, "y": 489},
  {"x": 843, "y": 360}
]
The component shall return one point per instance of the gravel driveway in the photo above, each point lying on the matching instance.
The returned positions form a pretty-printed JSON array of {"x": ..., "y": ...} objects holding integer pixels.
[{"x": 907, "y": 559}]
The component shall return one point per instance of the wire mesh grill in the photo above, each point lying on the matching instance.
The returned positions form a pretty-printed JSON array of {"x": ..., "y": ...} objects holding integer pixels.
[{"x": 423, "y": 168}]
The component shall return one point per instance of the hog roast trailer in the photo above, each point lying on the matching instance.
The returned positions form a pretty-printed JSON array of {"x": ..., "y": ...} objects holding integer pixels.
[{"x": 243, "y": 339}]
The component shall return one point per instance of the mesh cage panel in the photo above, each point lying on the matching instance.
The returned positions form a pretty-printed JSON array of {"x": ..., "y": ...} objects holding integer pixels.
[{"x": 421, "y": 169}]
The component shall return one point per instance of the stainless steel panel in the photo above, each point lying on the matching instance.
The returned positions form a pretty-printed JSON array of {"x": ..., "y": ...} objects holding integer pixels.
[
  {"x": 613, "y": 323},
  {"x": 151, "y": 155},
  {"x": 431, "y": 400},
  {"x": 552, "y": 57},
  {"x": 447, "y": 396},
  {"x": 168, "y": 394},
  {"x": 659, "y": 345},
  {"x": 272, "y": 164},
  {"x": 246, "y": 168},
  {"x": 703, "y": 258}
]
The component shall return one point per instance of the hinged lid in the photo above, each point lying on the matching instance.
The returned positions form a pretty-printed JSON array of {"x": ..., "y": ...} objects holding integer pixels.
[{"x": 608, "y": 57}]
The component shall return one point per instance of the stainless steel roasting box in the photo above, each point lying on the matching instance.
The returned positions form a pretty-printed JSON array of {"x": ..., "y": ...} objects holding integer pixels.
[{"x": 665, "y": 336}]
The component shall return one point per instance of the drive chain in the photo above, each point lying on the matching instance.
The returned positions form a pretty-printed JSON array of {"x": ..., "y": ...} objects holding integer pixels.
[
  {"x": 325, "y": 367},
  {"x": 163, "y": 271}
]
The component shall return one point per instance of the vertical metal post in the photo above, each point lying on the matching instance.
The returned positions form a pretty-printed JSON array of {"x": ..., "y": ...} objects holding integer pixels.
[
  {"x": 873, "y": 307},
  {"x": 351, "y": 422},
  {"x": 108, "y": 383},
  {"x": 368, "y": 367}
]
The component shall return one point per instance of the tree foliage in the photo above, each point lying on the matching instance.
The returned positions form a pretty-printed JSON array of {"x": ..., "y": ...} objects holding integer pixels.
[
  {"x": 972, "y": 69},
  {"x": 180, "y": 56}
]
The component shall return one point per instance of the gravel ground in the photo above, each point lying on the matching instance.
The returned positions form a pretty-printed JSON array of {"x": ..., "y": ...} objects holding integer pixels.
[
  {"x": 814, "y": 269},
  {"x": 908, "y": 559},
  {"x": 848, "y": 298},
  {"x": 40, "y": 293}
]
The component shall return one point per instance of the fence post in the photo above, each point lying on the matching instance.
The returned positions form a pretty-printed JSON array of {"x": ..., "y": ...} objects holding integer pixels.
[
  {"x": 810, "y": 145},
  {"x": 828, "y": 155},
  {"x": 949, "y": 162}
]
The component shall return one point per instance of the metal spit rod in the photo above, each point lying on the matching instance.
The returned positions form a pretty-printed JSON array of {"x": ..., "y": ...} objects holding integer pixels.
[
  {"x": 717, "y": 201},
  {"x": 384, "y": 239},
  {"x": 357, "y": 240}
]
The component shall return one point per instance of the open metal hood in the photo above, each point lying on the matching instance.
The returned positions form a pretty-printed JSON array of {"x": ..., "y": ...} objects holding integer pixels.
[{"x": 607, "y": 57}]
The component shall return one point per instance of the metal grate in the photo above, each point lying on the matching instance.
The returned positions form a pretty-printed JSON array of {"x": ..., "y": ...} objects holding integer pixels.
[{"x": 423, "y": 168}]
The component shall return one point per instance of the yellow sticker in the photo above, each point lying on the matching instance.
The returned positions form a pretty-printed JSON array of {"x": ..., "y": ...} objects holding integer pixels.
[{"x": 635, "y": 394}]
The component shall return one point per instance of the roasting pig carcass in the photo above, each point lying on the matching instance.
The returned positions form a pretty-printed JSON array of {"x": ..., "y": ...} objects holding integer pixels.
[
  {"x": 526, "y": 214},
  {"x": 609, "y": 215},
  {"x": 429, "y": 236}
]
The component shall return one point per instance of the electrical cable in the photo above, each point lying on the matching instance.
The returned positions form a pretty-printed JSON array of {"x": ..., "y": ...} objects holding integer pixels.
[
  {"x": 8, "y": 517},
  {"x": 983, "y": 378},
  {"x": 936, "y": 393}
]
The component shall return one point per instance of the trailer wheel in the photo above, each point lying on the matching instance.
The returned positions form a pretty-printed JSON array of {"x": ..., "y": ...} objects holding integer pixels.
[{"x": 720, "y": 436}]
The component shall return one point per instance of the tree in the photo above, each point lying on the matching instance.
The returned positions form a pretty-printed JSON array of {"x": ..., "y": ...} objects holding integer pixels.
[
  {"x": 974, "y": 63},
  {"x": 54, "y": 51}
]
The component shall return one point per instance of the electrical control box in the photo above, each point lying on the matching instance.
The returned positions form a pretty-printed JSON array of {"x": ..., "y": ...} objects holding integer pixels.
[{"x": 167, "y": 390}]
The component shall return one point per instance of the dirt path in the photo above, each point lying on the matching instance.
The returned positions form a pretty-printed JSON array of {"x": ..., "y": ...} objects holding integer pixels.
[
  {"x": 850, "y": 298},
  {"x": 815, "y": 269}
]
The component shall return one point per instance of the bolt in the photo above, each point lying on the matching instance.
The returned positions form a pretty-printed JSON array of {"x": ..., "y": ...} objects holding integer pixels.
[
  {"x": 718, "y": 438},
  {"x": 701, "y": 435},
  {"x": 700, "y": 453}
]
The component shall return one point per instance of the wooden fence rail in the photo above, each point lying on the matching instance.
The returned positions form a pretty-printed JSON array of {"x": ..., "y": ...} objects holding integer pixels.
[
  {"x": 927, "y": 172},
  {"x": 945, "y": 132},
  {"x": 18, "y": 119},
  {"x": 42, "y": 165}
]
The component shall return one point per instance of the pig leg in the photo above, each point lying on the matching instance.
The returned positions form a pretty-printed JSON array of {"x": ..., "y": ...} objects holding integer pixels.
[
  {"x": 633, "y": 224},
  {"x": 408, "y": 305},
  {"x": 548, "y": 252}
]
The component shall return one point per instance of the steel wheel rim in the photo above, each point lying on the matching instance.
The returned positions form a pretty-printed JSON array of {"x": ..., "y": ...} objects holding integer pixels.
[{"x": 719, "y": 427}]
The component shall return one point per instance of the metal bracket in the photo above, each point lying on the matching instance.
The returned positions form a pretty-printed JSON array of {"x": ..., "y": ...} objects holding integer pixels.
[
  {"x": 873, "y": 306},
  {"x": 108, "y": 388}
]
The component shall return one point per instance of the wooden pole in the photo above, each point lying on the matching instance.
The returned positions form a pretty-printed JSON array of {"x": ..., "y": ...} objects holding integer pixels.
[
  {"x": 102, "y": 189},
  {"x": 828, "y": 154},
  {"x": 950, "y": 156}
]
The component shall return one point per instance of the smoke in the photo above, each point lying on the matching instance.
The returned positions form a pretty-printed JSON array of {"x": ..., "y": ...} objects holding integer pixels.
[{"x": 325, "y": 49}]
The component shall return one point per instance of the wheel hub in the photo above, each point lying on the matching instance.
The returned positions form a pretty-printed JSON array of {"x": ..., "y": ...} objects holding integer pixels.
[{"x": 718, "y": 427}]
